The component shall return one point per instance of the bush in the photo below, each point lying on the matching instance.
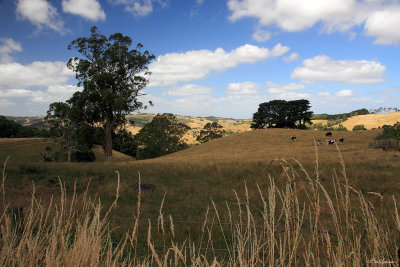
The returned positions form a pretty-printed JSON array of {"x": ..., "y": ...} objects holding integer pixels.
[
  {"x": 359, "y": 127},
  {"x": 83, "y": 156}
]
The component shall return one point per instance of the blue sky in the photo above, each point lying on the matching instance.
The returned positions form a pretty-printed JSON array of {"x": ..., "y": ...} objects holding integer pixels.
[{"x": 213, "y": 57}]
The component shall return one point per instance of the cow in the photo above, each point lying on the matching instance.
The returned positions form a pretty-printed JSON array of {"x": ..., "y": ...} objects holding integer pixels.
[
  {"x": 328, "y": 134},
  {"x": 144, "y": 187},
  {"x": 330, "y": 142},
  {"x": 293, "y": 138},
  {"x": 341, "y": 140},
  {"x": 319, "y": 142}
]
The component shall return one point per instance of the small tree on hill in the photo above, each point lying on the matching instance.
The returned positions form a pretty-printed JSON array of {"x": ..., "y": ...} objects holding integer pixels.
[
  {"x": 163, "y": 135},
  {"x": 210, "y": 132}
]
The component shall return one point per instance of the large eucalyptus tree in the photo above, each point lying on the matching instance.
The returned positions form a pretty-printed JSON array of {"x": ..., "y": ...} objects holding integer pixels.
[{"x": 112, "y": 76}]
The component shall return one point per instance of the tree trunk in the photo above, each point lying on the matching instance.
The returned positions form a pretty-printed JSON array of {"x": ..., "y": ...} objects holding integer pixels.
[{"x": 108, "y": 148}]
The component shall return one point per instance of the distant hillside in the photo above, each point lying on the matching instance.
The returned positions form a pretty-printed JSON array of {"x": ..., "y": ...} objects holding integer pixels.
[
  {"x": 230, "y": 125},
  {"x": 371, "y": 121}
]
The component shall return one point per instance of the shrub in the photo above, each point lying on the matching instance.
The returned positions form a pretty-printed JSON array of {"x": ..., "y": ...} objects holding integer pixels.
[{"x": 359, "y": 127}]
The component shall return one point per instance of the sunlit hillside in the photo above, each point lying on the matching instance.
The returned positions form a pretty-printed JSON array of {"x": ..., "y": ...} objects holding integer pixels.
[
  {"x": 267, "y": 144},
  {"x": 371, "y": 121}
]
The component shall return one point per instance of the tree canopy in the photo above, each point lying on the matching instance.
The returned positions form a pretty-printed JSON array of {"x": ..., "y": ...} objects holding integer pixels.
[
  {"x": 282, "y": 114},
  {"x": 210, "y": 132},
  {"x": 112, "y": 77},
  {"x": 163, "y": 135}
]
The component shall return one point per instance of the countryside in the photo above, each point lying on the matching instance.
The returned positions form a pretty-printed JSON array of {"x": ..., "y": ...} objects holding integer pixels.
[{"x": 239, "y": 133}]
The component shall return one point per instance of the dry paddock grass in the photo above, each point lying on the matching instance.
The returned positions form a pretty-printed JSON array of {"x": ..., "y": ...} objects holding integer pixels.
[
  {"x": 281, "y": 203},
  {"x": 290, "y": 229}
]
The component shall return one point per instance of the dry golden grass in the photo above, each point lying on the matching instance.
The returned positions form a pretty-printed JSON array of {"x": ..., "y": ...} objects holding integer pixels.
[
  {"x": 372, "y": 120},
  {"x": 297, "y": 222}
]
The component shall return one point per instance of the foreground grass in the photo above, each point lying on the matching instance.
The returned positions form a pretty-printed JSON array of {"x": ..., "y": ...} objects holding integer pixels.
[{"x": 291, "y": 218}]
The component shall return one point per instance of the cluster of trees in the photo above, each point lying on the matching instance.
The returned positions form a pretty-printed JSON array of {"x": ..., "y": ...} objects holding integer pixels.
[
  {"x": 112, "y": 76},
  {"x": 11, "y": 129},
  {"x": 324, "y": 127},
  {"x": 282, "y": 114},
  {"x": 340, "y": 117},
  {"x": 210, "y": 132}
]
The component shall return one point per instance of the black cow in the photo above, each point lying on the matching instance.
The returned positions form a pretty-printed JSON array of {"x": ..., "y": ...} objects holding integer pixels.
[
  {"x": 341, "y": 140},
  {"x": 144, "y": 187},
  {"x": 330, "y": 142},
  {"x": 328, "y": 134},
  {"x": 293, "y": 138}
]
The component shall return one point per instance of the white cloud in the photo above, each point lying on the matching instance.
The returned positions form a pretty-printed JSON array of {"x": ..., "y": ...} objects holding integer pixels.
[
  {"x": 8, "y": 46},
  {"x": 324, "y": 94},
  {"x": 243, "y": 88},
  {"x": 140, "y": 8},
  {"x": 41, "y": 13},
  {"x": 384, "y": 25},
  {"x": 292, "y": 57},
  {"x": 53, "y": 93},
  {"x": 89, "y": 9},
  {"x": 171, "y": 68},
  {"x": 293, "y": 96},
  {"x": 380, "y": 18},
  {"x": 189, "y": 89},
  {"x": 275, "y": 88},
  {"x": 38, "y": 73},
  {"x": 322, "y": 68},
  {"x": 261, "y": 35},
  {"x": 345, "y": 93}
]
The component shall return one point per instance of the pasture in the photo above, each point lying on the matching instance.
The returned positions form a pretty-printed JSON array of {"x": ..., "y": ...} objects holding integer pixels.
[{"x": 211, "y": 196}]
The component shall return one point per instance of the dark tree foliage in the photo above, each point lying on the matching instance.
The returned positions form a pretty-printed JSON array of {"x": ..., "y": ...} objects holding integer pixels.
[
  {"x": 342, "y": 116},
  {"x": 71, "y": 132},
  {"x": 12, "y": 129},
  {"x": 163, "y": 135},
  {"x": 282, "y": 114},
  {"x": 390, "y": 132},
  {"x": 210, "y": 132},
  {"x": 112, "y": 76},
  {"x": 123, "y": 141}
]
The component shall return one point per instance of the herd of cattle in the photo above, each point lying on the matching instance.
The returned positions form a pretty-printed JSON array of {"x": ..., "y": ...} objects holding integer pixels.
[{"x": 319, "y": 141}]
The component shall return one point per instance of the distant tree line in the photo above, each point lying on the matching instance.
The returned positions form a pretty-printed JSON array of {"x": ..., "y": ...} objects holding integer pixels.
[
  {"x": 282, "y": 114},
  {"x": 341, "y": 116},
  {"x": 12, "y": 129},
  {"x": 384, "y": 110}
]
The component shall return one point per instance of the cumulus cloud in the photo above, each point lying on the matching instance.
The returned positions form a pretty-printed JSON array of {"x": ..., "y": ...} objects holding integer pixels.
[
  {"x": 38, "y": 73},
  {"x": 380, "y": 18},
  {"x": 243, "y": 88},
  {"x": 322, "y": 68},
  {"x": 189, "y": 89},
  {"x": 384, "y": 25},
  {"x": 41, "y": 13},
  {"x": 140, "y": 8},
  {"x": 89, "y": 9},
  {"x": 345, "y": 93},
  {"x": 275, "y": 88},
  {"x": 171, "y": 68},
  {"x": 8, "y": 46},
  {"x": 291, "y": 57}
]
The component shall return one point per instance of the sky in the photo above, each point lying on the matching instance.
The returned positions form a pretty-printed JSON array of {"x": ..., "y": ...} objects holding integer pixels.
[{"x": 212, "y": 57}]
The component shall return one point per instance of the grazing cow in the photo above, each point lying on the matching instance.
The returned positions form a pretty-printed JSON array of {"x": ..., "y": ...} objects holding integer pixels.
[
  {"x": 328, "y": 134},
  {"x": 144, "y": 187},
  {"x": 330, "y": 142},
  {"x": 293, "y": 138},
  {"x": 341, "y": 140},
  {"x": 319, "y": 142}
]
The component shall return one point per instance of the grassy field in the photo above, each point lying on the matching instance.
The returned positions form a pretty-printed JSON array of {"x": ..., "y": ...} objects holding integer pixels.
[{"x": 253, "y": 197}]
